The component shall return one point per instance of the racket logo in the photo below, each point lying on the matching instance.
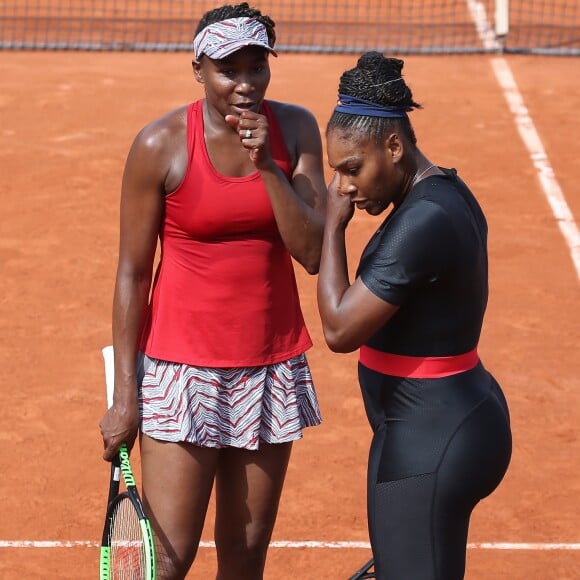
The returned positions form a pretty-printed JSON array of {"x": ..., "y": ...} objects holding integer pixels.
[{"x": 126, "y": 467}]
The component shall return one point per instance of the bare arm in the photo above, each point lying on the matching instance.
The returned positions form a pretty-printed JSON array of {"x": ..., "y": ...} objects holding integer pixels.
[
  {"x": 350, "y": 313},
  {"x": 299, "y": 206},
  {"x": 142, "y": 202}
]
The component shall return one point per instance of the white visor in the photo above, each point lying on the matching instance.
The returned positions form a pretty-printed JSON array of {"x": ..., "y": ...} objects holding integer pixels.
[{"x": 221, "y": 39}]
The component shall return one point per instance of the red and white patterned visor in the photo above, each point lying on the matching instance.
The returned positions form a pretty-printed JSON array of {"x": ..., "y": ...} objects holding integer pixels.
[{"x": 221, "y": 39}]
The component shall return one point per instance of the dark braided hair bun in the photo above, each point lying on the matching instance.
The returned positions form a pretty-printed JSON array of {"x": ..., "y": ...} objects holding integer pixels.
[{"x": 378, "y": 79}]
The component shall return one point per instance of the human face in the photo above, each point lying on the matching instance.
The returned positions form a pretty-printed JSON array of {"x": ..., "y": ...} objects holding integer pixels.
[
  {"x": 236, "y": 83},
  {"x": 366, "y": 170}
]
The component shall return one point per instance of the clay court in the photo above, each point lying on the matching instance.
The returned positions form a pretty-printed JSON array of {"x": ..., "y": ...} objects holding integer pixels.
[{"x": 66, "y": 122}]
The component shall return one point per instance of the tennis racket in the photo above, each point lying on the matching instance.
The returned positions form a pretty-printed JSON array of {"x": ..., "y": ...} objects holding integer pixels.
[
  {"x": 127, "y": 546},
  {"x": 364, "y": 571}
]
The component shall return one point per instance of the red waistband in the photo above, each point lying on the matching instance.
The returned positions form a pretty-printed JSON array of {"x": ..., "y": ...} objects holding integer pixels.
[{"x": 417, "y": 367}]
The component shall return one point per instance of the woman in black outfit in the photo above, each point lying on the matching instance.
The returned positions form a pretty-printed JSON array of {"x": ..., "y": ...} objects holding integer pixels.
[{"x": 442, "y": 439}]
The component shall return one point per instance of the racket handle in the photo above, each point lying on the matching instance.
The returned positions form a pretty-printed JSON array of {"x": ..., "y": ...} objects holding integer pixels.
[
  {"x": 364, "y": 571},
  {"x": 115, "y": 479}
]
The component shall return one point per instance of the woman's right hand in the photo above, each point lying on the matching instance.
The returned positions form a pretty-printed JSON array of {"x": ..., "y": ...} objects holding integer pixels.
[
  {"x": 119, "y": 425},
  {"x": 339, "y": 208}
]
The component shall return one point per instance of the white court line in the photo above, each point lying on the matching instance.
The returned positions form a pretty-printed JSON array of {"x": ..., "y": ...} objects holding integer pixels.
[
  {"x": 483, "y": 27},
  {"x": 528, "y": 133},
  {"x": 534, "y": 546},
  {"x": 533, "y": 143}
]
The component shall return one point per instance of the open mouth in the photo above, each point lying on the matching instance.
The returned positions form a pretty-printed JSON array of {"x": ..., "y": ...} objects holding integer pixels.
[{"x": 244, "y": 106}]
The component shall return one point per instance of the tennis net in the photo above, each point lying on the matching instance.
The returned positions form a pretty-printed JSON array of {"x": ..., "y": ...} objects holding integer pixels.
[{"x": 343, "y": 26}]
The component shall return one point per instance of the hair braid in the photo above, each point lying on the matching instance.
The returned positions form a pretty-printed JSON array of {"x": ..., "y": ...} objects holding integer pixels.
[{"x": 377, "y": 79}]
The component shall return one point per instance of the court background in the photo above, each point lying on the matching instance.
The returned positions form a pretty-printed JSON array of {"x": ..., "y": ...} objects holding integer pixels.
[{"x": 66, "y": 123}]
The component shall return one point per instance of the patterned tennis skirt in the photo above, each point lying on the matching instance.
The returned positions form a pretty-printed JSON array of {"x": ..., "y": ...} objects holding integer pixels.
[{"x": 227, "y": 407}]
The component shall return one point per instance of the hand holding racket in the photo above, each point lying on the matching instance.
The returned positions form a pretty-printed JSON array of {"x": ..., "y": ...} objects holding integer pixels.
[
  {"x": 127, "y": 546},
  {"x": 120, "y": 424}
]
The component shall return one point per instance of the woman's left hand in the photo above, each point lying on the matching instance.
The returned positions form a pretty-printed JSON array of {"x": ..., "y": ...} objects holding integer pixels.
[
  {"x": 339, "y": 208},
  {"x": 252, "y": 129}
]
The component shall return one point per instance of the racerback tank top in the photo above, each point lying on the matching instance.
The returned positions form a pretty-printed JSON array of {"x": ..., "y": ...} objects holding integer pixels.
[{"x": 224, "y": 294}]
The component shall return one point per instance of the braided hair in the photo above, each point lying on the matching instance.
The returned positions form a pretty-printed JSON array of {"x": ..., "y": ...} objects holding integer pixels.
[
  {"x": 377, "y": 79},
  {"x": 237, "y": 11}
]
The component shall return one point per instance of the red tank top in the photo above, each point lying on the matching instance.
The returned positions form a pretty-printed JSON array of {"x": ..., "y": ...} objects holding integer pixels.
[{"x": 224, "y": 294}]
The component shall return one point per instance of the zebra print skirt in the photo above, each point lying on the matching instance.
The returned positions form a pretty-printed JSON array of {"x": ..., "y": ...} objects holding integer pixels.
[{"x": 227, "y": 407}]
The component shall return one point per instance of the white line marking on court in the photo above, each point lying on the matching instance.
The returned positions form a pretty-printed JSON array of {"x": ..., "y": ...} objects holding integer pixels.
[
  {"x": 46, "y": 544},
  {"x": 528, "y": 133},
  {"x": 539, "y": 158},
  {"x": 520, "y": 546},
  {"x": 484, "y": 29},
  {"x": 304, "y": 544}
]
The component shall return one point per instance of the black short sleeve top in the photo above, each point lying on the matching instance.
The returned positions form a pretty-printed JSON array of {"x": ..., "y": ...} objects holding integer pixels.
[{"x": 429, "y": 257}]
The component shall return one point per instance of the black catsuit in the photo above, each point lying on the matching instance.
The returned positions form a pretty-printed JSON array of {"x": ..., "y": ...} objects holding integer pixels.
[{"x": 440, "y": 444}]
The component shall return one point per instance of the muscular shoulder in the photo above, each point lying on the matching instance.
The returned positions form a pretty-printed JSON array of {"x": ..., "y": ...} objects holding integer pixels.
[
  {"x": 162, "y": 133},
  {"x": 299, "y": 127},
  {"x": 159, "y": 151}
]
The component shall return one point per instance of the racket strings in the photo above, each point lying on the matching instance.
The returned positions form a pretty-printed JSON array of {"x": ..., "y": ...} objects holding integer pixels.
[{"x": 127, "y": 544}]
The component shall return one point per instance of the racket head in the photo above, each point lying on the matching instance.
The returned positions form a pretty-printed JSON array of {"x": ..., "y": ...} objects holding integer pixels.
[{"x": 128, "y": 541}]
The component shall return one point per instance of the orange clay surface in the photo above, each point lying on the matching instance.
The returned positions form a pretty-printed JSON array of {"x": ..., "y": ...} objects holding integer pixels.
[{"x": 66, "y": 123}]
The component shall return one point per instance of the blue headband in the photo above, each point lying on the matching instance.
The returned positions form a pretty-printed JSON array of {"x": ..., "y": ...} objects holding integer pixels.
[{"x": 354, "y": 106}]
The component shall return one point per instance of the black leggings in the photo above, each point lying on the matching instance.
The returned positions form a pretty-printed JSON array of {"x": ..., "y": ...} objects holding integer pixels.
[{"x": 439, "y": 446}]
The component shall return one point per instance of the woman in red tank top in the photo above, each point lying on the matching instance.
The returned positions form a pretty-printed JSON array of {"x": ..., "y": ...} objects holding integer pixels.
[{"x": 210, "y": 365}]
